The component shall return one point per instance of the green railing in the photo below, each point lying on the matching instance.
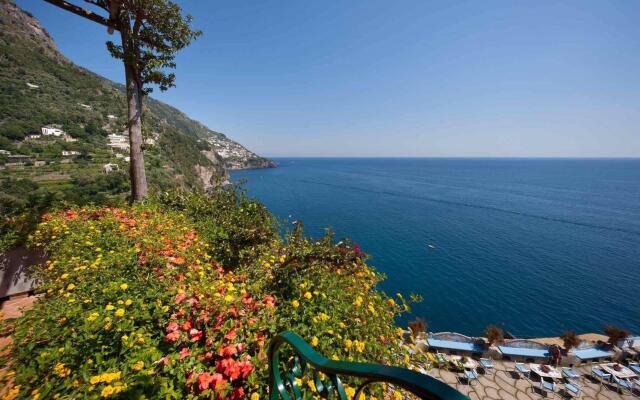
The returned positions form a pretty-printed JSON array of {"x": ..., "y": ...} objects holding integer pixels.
[{"x": 284, "y": 386}]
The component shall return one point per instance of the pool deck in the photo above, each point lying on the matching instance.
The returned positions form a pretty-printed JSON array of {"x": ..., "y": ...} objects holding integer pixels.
[{"x": 501, "y": 384}]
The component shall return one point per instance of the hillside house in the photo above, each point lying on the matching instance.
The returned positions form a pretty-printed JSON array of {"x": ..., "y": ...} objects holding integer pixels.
[
  {"x": 111, "y": 116},
  {"x": 33, "y": 136},
  {"x": 118, "y": 141},
  {"x": 69, "y": 139},
  {"x": 67, "y": 153},
  {"x": 111, "y": 167},
  {"x": 39, "y": 163},
  {"x": 51, "y": 130},
  {"x": 5, "y": 152}
]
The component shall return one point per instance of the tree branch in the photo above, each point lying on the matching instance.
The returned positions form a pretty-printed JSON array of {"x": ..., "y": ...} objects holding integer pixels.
[{"x": 65, "y": 5}]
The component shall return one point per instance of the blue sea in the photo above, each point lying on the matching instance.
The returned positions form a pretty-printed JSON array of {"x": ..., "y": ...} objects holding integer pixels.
[{"x": 536, "y": 246}]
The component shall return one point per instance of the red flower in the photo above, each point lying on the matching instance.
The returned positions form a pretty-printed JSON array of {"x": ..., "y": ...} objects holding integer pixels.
[
  {"x": 172, "y": 327},
  {"x": 218, "y": 382},
  {"x": 238, "y": 393},
  {"x": 270, "y": 301},
  {"x": 195, "y": 335},
  {"x": 186, "y": 325},
  {"x": 172, "y": 337},
  {"x": 184, "y": 353},
  {"x": 231, "y": 334},
  {"x": 204, "y": 381},
  {"x": 229, "y": 367},
  {"x": 228, "y": 351}
]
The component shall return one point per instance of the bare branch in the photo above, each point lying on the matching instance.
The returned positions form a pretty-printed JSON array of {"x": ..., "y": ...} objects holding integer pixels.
[{"x": 65, "y": 5}]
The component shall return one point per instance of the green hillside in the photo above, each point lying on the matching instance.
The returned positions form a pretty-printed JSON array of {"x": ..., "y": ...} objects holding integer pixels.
[{"x": 40, "y": 87}]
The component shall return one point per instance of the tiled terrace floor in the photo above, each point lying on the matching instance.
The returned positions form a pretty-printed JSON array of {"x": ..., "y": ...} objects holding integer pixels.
[{"x": 501, "y": 384}]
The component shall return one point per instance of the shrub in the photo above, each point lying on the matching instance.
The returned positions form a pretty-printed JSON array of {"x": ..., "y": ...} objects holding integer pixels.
[
  {"x": 134, "y": 303},
  {"x": 418, "y": 326},
  {"x": 570, "y": 340},
  {"x": 494, "y": 334},
  {"x": 615, "y": 334}
]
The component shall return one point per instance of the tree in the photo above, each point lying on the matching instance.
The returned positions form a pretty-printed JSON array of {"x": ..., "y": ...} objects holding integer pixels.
[
  {"x": 494, "y": 334},
  {"x": 615, "y": 334},
  {"x": 570, "y": 340},
  {"x": 151, "y": 33}
]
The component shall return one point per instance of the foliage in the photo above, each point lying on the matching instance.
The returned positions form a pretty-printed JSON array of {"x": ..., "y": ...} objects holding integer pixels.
[
  {"x": 156, "y": 30},
  {"x": 418, "y": 326},
  {"x": 615, "y": 334},
  {"x": 135, "y": 305},
  {"x": 570, "y": 340},
  {"x": 493, "y": 334}
]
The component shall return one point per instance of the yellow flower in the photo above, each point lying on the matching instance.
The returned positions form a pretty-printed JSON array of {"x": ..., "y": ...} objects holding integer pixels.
[
  {"x": 64, "y": 276},
  {"x": 138, "y": 366},
  {"x": 128, "y": 302},
  {"x": 349, "y": 391},
  {"x": 308, "y": 295},
  {"x": 358, "y": 301},
  {"x": 94, "y": 380},
  {"x": 295, "y": 304},
  {"x": 93, "y": 316},
  {"x": 109, "y": 307},
  {"x": 314, "y": 341},
  {"x": 71, "y": 286},
  {"x": 323, "y": 317},
  {"x": 348, "y": 343},
  {"x": 397, "y": 395},
  {"x": 124, "y": 286},
  {"x": 60, "y": 370},
  {"x": 119, "y": 313},
  {"x": 228, "y": 298},
  {"x": 107, "y": 391}
]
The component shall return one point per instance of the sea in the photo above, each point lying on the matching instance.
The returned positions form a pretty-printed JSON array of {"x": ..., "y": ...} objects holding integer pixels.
[{"x": 535, "y": 246}]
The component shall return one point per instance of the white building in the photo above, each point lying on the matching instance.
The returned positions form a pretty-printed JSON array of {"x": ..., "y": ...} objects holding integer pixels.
[
  {"x": 88, "y": 107},
  {"x": 108, "y": 168},
  {"x": 33, "y": 136},
  {"x": 70, "y": 153},
  {"x": 111, "y": 116},
  {"x": 118, "y": 141},
  {"x": 52, "y": 131},
  {"x": 5, "y": 152},
  {"x": 69, "y": 139}
]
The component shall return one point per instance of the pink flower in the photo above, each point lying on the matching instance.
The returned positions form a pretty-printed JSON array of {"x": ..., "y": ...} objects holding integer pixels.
[
  {"x": 195, "y": 335},
  {"x": 172, "y": 337},
  {"x": 172, "y": 327},
  {"x": 184, "y": 353},
  {"x": 180, "y": 297}
]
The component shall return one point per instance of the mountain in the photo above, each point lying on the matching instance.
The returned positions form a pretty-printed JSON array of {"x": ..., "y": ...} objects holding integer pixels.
[{"x": 85, "y": 115}]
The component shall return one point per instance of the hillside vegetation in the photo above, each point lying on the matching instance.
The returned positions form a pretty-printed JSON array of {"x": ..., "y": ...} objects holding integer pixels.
[
  {"x": 179, "y": 298},
  {"x": 40, "y": 87}
]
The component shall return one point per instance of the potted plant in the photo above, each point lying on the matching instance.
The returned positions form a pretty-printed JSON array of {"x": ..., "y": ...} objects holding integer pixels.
[
  {"x": 494, "y": 334},
  {"x": 569, "y": 340}
]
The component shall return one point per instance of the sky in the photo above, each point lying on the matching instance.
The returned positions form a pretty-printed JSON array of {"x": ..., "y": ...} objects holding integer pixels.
[{"x": 407, "y": 78}]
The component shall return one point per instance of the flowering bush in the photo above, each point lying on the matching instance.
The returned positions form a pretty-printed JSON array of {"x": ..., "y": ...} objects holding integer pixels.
[{"x": 135, "y": 304}]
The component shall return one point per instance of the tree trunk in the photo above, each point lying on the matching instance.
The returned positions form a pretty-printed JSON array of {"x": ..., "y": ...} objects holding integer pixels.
[{"x": 137, "y": 173}]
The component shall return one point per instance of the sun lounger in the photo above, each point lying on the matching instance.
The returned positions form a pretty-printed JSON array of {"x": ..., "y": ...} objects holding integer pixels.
[
  {"x": 572, "y": 389},
  {"x": 471, "y": 375},
  {"x": 522, "y": 369},
  {"x": 570, "y": 373},
  {"x": 487, "y": 363},
  {"x": 547, "y": 386},
  {"x": 622, "y": 384},
  {"x": 600, "y": 375},
  {"x": 635, "y": 367}
]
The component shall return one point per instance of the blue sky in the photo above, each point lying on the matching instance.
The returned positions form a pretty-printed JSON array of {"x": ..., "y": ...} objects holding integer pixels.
[{"x": 402, "y": 78}]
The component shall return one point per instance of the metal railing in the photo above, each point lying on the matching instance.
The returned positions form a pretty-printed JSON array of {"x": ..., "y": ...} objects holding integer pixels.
[{"x": 284, "y": 384}]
